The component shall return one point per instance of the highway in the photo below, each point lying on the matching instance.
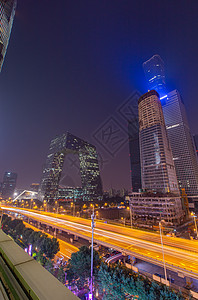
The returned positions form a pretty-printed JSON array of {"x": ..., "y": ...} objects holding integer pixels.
[{"x": 180, "y": 255}]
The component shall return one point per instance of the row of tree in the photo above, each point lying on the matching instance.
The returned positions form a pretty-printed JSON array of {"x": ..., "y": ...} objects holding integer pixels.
[
  {"x": 115, "y": 281},
  {"x": 25, "y": 236},
  {"x": 43, "y": 247}
]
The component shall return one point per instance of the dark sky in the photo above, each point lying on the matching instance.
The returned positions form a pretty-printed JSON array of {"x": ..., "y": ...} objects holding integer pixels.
[{"x": 71, "y": 64}]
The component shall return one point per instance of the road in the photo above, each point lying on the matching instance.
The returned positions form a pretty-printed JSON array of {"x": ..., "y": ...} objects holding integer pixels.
[{"x": 180, "y": 255}]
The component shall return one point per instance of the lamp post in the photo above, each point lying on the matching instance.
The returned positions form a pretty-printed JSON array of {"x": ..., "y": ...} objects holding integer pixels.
[
  {"x": 92, "y": 236},
  {"x": 194, "y": 216},
  {"x": 165, "y": 274},
  {"x": 130, "y": 211}
]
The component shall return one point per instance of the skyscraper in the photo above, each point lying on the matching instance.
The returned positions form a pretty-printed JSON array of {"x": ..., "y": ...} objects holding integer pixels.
[
  {"x": 155, "y": 74},
  {"x": 182, "y": 144},
  {"x": 7, "y": 12},
  {"x": 134, "y": 150},
  {"x": 178, "y": 130},
  {"x": 9, "y": 184},
  {"x": 157, "y": 166},
  {"x": 195, "y": 136},
  {"x": 89, "y": 168}
]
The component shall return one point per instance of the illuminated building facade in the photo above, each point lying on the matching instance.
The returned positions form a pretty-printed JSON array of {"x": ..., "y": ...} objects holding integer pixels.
[
  {"x": 157, "y": 165},
  {"x": 154, "y": 208},
  {"x": 7, "y": 12},
  {"x": 182, "y": 144},
  {"x": 155, "y": 74},
  {"x": 70, "y": 194},
  {"x": 9, "y": 184},
  {"x": 89, "y": 168}
]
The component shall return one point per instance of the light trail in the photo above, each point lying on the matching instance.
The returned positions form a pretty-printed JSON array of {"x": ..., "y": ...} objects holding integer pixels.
[{"x": 176, "y": 258}]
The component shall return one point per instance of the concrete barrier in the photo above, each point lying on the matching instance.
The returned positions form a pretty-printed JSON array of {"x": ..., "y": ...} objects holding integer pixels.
[
  {"x": 194, "y": 294},
  {"x": 135, "y": 269},
  {"x": 156, "y": 278},
  {"x": 164, "y": 281}
]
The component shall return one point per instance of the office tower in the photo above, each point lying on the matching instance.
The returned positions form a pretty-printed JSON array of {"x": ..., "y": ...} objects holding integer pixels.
[
  {"x": 157, "y": 166},
  {"x": 182, "y": 144},
  {"x": 7, "y": 12},
  {"x": 9, "y": 184},
  {"x": 196, "y": 142},
  {"x": 89, "y": 168},
  {"x": 155, "y": 74},
  {"x": 134, "y": 151}
]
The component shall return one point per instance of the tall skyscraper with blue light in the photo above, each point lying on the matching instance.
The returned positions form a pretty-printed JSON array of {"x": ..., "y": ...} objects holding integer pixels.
[
  {"x": 7, "y": 13},
  {"x": 179, "y": 134},
  {"x": 155, "y": 74}
]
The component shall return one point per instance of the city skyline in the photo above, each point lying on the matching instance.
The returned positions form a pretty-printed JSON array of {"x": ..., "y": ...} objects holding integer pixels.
[{"x": 30, "y": 114}]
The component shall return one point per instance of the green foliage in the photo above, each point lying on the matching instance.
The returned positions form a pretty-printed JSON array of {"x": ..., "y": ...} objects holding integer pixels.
[
  {"x": 49, "y": 246},
  {"x": 61, "y": 275},
  {"x": 19, "y": 228},
  {"x": 5, "y": 219},
  {"x": 115, "y": 282},
  {"x": 79, "y": 266},
  {"x": 41, "y": 259},
  {"x": 26, "y": 233},
  {"x": 49, "y": 266}
]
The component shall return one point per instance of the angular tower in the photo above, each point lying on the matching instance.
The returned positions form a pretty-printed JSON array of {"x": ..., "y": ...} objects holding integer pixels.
[
  {"x": 89, "y": 168},
  {"x": 7, "y": 12}
]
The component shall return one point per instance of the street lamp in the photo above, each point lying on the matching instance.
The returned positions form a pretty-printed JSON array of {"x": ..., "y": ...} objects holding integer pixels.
[
  {"x": 92, "y": 227},
  {"x": 130, "y": 211},
  {"x": 160, "y": 225},
  {"x": 194, "y": 216}
]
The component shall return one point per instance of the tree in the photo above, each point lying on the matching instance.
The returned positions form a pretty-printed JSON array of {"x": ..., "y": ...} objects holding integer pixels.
[
  {"x": 41, "y": 259},
  {"x": 61, "y": 275},
  {"x": 14, "y": 223},
  {"x": 19, "y": 228},
  {"x": 49, "y": 266},
  {"x": 26, "y": 234},
  {"x": 117, "y": 283},
  {"x": 79, "y": 266},
  {"x": 49, "y": 246}
]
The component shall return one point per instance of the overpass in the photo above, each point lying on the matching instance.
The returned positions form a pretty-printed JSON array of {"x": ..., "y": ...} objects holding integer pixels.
[{"x": 181, "y": 255}]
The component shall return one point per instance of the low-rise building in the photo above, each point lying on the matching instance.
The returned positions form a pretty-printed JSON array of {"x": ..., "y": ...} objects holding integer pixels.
[{"x": 156, "y": 207}]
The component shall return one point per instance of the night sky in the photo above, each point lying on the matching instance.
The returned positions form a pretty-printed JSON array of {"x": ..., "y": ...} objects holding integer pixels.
[{"x": 71, "y": 64}]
